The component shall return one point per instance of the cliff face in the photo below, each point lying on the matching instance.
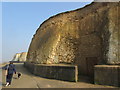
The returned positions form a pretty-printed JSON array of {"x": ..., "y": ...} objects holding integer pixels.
[
  {"x": 20, "y": 56},
  {"x": 23, "y": 56},
  {"x": 16, "y": 57},
  {"x": 85, "y": 37}
]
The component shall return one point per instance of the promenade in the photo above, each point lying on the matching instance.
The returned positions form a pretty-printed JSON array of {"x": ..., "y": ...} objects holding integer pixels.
[{"x": 29, "y": 80}]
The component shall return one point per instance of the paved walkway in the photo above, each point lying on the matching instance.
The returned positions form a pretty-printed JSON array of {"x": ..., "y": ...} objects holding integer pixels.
[{"x": 29, "y": 80}]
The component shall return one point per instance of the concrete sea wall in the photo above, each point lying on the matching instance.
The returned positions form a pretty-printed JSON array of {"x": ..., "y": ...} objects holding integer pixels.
[{"x": 56, "y": 71}]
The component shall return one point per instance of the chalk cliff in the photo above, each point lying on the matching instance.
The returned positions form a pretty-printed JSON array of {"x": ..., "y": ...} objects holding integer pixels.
[
  {"x": 16, "y": 57},
  {"x": 23, "y": 56},
  {"x": 20, "y": 56},
  {"x": 86, "y": 36}
]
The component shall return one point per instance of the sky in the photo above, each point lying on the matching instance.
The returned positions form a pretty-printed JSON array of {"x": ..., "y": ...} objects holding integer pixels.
[{"x": 20, "y": 21}]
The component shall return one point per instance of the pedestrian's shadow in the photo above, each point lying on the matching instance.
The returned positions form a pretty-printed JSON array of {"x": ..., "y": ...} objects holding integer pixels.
[{"x": 2, "y": 84}]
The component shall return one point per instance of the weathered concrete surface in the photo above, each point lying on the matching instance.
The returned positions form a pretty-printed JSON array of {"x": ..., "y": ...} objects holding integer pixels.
[
  {"x": 29, "y": 80},
  {"x": 54, "y": 71},
  {"x": 114, "y": 38},
  {"x": 85, "y": 37},
  {"x": 20, "y": 57},
  {"x": 29, "y": 66},
  {"x": 107, "y": 75}
]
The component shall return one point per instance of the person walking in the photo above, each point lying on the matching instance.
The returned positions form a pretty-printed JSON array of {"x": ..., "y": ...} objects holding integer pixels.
[{"x": 9, "y": 70}]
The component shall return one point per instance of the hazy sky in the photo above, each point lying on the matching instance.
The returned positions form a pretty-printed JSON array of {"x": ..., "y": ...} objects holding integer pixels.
[{"x": 20, "y": 21}]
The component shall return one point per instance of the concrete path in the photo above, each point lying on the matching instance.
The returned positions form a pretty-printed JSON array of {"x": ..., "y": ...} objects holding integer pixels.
[{"x": 29, "y": 80}]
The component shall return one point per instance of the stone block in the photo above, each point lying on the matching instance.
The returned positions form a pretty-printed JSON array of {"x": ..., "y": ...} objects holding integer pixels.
[{"x": 107, "y": 75}]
